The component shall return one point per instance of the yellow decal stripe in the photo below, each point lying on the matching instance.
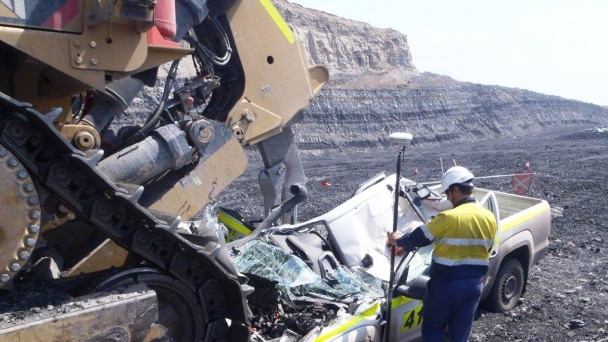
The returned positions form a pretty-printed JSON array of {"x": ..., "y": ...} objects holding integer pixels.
[
  {"x": 278, "y": 20},
  {"x": 351, "y": 322},
  {"x": 401, "y": 300},
  {"x": 518, "y": 219}
]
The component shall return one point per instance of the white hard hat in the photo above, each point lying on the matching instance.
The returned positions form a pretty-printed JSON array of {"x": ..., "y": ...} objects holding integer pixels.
[{"x": 456, "y": 175}]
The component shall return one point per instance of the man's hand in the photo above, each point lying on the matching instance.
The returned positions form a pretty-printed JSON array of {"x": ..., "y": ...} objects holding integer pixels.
[
  {"x": 391, "y": 241},
  {"x": 392, "y": 238}
]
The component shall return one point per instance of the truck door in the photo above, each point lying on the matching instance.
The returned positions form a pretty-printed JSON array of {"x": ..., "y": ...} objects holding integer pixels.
[{"x": 489, "y": 202}]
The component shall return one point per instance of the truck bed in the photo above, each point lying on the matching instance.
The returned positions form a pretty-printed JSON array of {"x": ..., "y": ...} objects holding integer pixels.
[{"x": 508, "y": 204}]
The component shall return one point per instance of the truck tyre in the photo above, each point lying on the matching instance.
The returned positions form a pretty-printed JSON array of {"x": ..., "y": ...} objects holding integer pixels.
[{"x": 507, "y": 287}]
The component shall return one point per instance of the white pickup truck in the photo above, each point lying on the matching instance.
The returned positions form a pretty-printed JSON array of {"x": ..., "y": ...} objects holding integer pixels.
[{"x": 339, "y": 261}]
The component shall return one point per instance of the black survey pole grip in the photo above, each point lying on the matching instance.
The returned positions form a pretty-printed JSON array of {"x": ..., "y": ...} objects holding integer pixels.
[{"x": 389, "y": 299}]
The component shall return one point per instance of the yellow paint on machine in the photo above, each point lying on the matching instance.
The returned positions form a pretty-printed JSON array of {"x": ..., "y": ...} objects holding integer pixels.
[
  {"x": 278, "y": 20},
  {"x": 236, "y": 229},
  {"x": 351, "y": 322}
]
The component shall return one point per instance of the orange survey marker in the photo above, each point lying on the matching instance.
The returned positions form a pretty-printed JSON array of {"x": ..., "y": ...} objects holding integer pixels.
[{"x": 522, "y": 183}]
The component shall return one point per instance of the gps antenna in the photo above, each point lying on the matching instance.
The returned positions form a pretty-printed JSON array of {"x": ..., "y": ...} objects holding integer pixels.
[{"x": 402, "y": 140}]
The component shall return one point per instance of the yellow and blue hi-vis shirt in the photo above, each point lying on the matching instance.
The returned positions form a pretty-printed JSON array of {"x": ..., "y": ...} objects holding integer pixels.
[{"x": 463, "y": 237}]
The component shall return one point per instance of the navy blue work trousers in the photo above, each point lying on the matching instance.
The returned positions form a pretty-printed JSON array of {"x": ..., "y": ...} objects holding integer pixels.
[{"x": 451, "y": 304}]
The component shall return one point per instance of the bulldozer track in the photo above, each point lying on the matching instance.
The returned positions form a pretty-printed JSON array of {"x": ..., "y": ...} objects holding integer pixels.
[{"x": 71, "y": 176}]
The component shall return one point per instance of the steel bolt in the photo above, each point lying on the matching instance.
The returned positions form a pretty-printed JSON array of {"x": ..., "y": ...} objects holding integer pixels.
[
  {"x": 78, "y": 60},
  {"x": 5, "y": 278},
  {"x": 12, "y": 162},
  {"x": 205, "y": 134},
  {"x": 94, "y": 61},
  {"x": 33, "y": 200},
  {"x": 29, "y": 187},
  {"x": 30, "y": 242},
  {"x": 77, "y": 42},
  {"x": 84, "y": 140},
  {"x": 93, "y": 44},
  {"x": 61, "y": 172},
  {"x": 15, "y": 267},
  {"x": 103, "y": 208},
  {"x": 2, "y": 151},
  {"x": 238, "y": 131},
  {"x": 16, "y": 129},
  {"x": 34, "y": 228},
  {"x": 248, "y": 116},
  {"x": 22, "y": 174},
  {"x": 62, "y": 208},
  {"x": 24, "y": 255},
  {"x": 143, "y": 237}
]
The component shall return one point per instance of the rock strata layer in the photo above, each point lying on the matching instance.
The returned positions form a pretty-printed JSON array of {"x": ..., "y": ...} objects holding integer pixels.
[{"x": 375, "y": 89}]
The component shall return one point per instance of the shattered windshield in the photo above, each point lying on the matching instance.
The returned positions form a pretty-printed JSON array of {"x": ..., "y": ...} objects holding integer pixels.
[{"x": 295, "y": 278}]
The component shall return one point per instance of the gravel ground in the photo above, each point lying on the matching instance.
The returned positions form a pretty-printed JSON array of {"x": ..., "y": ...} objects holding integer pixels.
[{"x": 567, "y": 293}]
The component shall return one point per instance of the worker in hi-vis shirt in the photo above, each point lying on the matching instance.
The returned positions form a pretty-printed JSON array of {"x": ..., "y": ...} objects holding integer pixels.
[{"x": 463, "y": 237}]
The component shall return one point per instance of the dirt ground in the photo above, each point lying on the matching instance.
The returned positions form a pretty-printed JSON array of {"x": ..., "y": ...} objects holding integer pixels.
[{"x": 567, "y": 293}]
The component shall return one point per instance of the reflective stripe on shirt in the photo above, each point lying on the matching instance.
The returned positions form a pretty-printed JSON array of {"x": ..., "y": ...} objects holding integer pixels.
[
  {"x": 465, "y": 242},
  {"x": 427, "y": 233},
  {"x": 459, "y": 262}
]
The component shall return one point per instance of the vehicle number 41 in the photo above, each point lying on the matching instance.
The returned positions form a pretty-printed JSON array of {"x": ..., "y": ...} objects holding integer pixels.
[{"x": 412, "y": 319}]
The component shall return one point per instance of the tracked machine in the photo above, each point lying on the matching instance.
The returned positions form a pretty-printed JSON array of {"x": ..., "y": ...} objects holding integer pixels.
[{"x": 91, "y": 205}]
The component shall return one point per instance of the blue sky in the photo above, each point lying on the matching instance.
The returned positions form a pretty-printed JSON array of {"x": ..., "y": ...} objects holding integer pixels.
[{"x": 555, "y": 47}]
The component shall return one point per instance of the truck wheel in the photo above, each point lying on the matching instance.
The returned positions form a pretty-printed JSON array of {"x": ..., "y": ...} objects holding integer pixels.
[{"x": 507, "y": 287}]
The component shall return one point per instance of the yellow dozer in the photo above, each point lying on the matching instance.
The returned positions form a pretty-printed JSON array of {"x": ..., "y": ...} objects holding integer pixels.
[{"x": 92, "y": 193}]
